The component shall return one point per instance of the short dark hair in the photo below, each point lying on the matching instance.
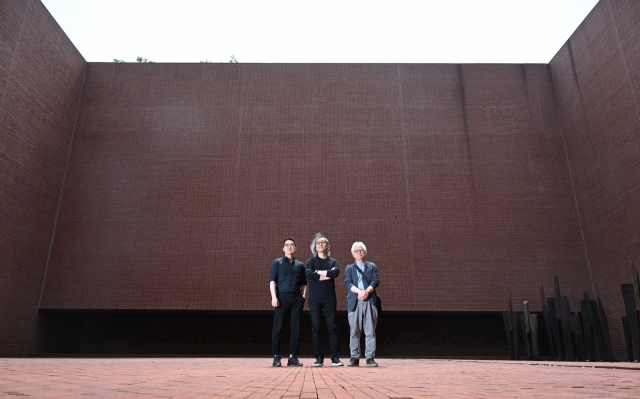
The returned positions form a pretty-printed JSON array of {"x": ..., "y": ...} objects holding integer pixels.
[{"x": 287, "y": 239}]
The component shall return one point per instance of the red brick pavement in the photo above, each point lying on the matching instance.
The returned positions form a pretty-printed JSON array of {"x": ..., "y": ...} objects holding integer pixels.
[{"x": 254, "y": 378}]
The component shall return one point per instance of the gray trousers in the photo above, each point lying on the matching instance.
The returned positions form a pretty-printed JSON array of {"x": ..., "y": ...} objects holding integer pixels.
[{"x": 364, "y": 317}]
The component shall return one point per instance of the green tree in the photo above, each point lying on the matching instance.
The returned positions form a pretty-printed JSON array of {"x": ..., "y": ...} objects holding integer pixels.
[
  {"x": 117, "y": 61},
  {"x": 145, "y": 60},
  {"x": 233, "y": 60},
  {"x": 206, "y": 61}
]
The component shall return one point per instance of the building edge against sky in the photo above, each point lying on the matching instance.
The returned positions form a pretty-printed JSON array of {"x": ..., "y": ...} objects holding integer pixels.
[
  {"x": 461, "y": 31},
  {"x": 127, "y": 188}
]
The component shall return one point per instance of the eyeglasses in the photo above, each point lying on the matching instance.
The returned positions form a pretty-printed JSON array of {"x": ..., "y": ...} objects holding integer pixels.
[
  {"x": 358, "y": 250},
  {"x": 290, "y": 245},
  {"x": 321, "y": 242}
]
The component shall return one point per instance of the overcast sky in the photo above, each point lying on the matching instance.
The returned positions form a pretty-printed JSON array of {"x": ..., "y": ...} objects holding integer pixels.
[{"x": 427, "y": 31}]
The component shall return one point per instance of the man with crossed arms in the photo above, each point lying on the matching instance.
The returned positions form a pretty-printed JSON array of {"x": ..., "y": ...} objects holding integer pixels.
[{"x": 321, "y": 271}]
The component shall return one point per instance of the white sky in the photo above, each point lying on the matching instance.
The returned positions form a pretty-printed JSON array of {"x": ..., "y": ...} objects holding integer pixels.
[{"x": 427, "y": 31}]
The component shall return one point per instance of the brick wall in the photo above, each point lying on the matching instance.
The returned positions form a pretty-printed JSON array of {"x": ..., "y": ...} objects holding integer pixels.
[
  {"x": 596, "y": 76},
  {"x": 40, "y": 82},
  {"x": 185, "y": 178}
]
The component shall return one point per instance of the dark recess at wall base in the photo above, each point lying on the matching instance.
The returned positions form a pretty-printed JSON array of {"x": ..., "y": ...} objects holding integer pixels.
[{"x": 410, "y": 334}]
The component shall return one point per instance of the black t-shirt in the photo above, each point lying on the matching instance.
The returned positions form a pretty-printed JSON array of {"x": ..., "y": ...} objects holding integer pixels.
[
  {"x": 322, "y": 291},
  {"x": 288, "y": 275}
]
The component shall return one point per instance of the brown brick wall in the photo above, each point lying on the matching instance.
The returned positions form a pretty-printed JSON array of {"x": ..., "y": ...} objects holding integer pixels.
[
  {"x": 596, "y": 77},
  {"x": 185, "y": 178},
  {"x": 40, "y": 82}
]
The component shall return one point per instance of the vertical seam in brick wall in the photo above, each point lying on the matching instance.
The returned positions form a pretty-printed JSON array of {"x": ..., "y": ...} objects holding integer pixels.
[
  {"x": 237, "y": 177},
  {"x": 64, "y": 178},
  {"x": 573, "y": 188},
  {"x": 13, "y": 54},
  {"x": 406, "y": 183},
  {"x": 624, "y": 59},
  {"x": 465, "y": 120}
]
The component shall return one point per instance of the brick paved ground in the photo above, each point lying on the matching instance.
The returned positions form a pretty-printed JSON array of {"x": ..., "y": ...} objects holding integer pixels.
[{"x": 254, "y": 378}]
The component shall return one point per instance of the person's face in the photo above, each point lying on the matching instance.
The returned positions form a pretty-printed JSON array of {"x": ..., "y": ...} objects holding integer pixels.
[
  {"x": 359, "y": 254},
  {"x": 289, "y": 248},
  {"x": 321, "y": 245}
]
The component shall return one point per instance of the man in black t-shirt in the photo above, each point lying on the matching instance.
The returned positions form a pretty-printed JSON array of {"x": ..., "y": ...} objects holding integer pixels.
[
  {"x": 288, "y": 285},
  {"x": 321, "y": 270}
]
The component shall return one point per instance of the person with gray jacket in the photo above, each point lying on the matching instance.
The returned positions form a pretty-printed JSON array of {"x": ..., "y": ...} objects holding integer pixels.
[{"x": 361, "y": 279}]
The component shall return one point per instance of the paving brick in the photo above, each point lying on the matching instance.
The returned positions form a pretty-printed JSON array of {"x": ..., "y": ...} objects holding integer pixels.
[{"x": 395, "y": 378}]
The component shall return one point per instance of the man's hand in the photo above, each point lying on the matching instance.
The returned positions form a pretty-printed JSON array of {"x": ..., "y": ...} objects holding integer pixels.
[
  {"x": 274, "y": 296},
  {"x": 323, "y": 274},
  {"x": 363, "y": 295}
]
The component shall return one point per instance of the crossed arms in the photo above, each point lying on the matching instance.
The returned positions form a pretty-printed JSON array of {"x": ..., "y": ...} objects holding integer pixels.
[{"x": 321, "y": 275}]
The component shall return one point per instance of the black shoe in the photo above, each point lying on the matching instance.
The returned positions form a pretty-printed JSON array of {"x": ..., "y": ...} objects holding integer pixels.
[
  {"x": 335, "y": 362},
  {"x": 293, "y": 361},
  {"x": 371, "y": 362},
  {"x": 276, "y": 361},
  {"x": 319, "y": 362},
  {"x": 354, "y": 362}
]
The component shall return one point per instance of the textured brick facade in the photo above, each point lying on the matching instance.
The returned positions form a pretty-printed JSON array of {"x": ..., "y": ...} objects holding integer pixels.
[
  {"x": 467, "y": 182},
  {"x": 40, "y": 82},
  {"x": 185, "y": 178},
  {"x": 596, "y": 76}
]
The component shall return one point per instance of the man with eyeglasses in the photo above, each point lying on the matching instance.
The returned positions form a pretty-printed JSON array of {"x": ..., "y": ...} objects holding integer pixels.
[
  {"x": 288, "y": 286},
  {"x": 321, "y": 270},
  {"x": 361, "y": 279}
]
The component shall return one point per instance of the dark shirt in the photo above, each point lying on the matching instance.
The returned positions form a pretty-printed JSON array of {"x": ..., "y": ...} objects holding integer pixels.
[
  {"x": 351, "y": 279},
  {"x": 289, "y": 276},
  {"x": 322, "y": 291}
]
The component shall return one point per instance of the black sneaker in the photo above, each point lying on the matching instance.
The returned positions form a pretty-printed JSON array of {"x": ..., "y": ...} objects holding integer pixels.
[
  {"x": 293, "y": 361},
  {"x": 319, "y": 362},
  {"x": 335, "y": 362},
  {"x": 354, "y": 362},
  {"x": 371, "y": 362},
  {"x": 276, "y": 361}
]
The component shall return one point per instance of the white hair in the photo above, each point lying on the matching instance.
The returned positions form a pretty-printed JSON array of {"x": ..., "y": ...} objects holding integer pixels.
[
  {"x": 313, "y": 244},
  {"x": 359, "y": 244}
]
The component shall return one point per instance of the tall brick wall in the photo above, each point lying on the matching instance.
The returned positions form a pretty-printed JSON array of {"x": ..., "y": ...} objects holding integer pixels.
[
  {"x": 40, "y": 82},
  {"x": 185, "y": 178},
  {"x": 596, "y": 76}
]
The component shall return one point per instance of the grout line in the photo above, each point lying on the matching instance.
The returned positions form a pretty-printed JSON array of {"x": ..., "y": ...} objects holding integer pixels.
[
  {"x": 406, "y": 183},
  {"x": 64, "y": 178},
  {"x": 237, "y": 177},
  {"x": 573, "y": 187}
]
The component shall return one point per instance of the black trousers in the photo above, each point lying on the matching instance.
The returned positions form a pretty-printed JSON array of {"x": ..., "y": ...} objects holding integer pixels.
[
  {"x": 329, "y": 308},
  {"x": 291, "y": 304}
]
